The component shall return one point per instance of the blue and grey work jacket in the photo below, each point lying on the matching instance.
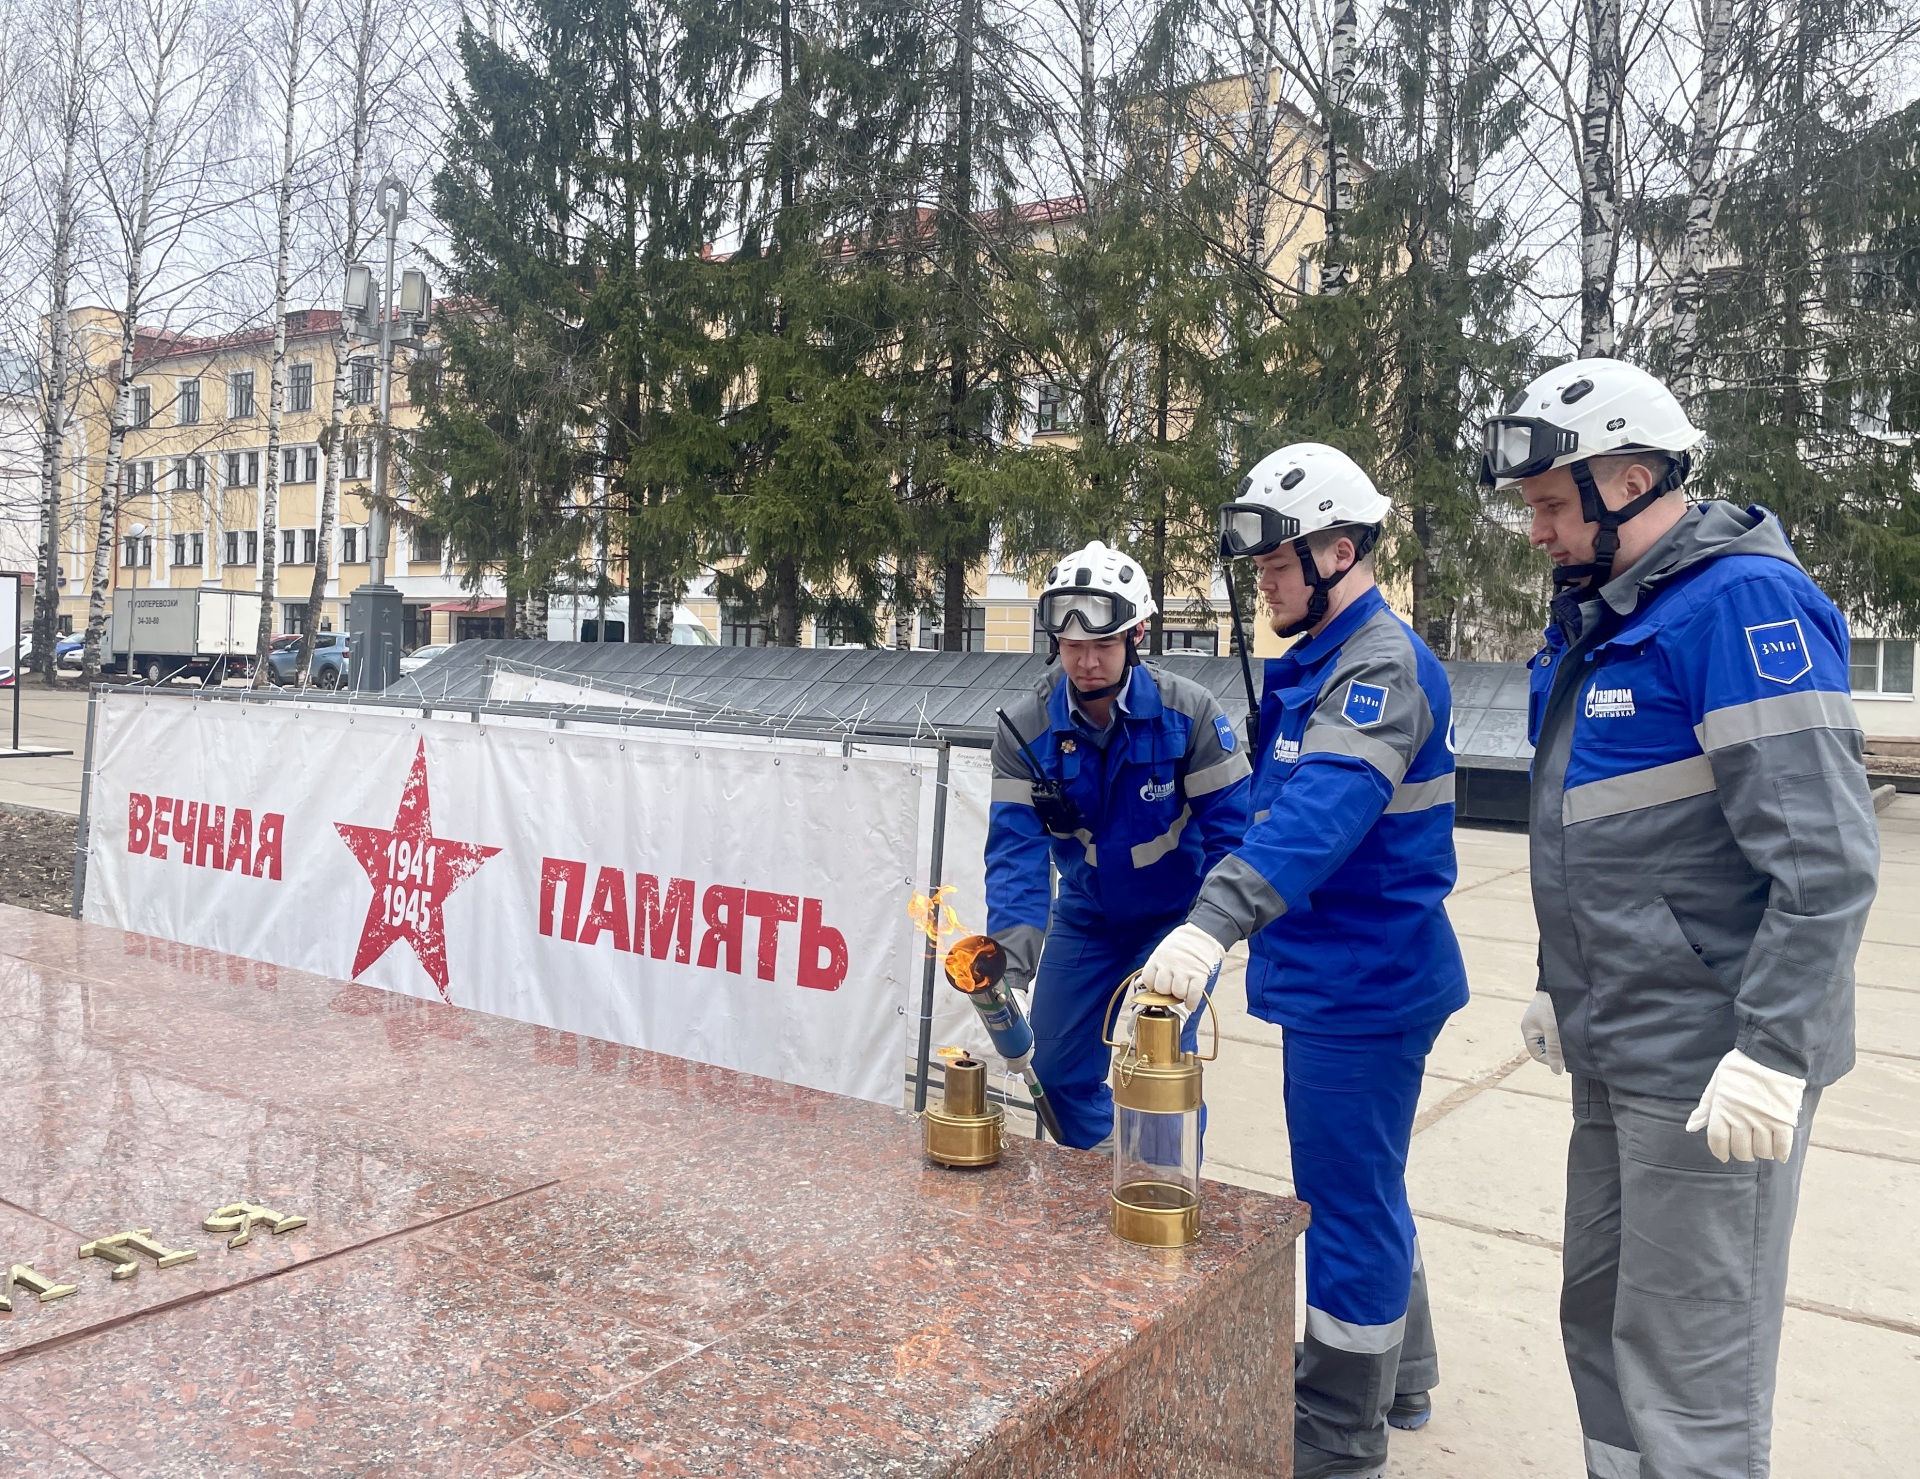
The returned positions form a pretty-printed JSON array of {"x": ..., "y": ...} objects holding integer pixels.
[
  {"x": 1343, "y": 878},
  {"x": 1159, "y": 803},
  {"x": 1704, "y": 847}
]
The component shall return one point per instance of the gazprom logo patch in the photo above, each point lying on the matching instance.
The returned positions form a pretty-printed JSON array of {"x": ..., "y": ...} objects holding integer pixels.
[
  {"x": 1779, "y": 651},
  {"x": 1609, "y": 703},
  {"x": 1223, "y": 728},
  {"x": 1366, "y": 704},
  {"x": 1156, "y": 790},
  {"x": 1285, "y": 750}
]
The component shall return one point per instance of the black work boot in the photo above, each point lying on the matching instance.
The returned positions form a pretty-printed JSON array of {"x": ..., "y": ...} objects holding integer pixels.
[{"x": 1410, "y": 1410}]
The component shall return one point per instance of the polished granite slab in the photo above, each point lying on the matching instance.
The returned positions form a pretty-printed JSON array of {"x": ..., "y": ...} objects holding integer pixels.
[{"x": 528, "y": 1252}]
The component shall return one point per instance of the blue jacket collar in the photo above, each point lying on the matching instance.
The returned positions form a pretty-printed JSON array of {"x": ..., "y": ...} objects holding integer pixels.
[
  {"x": 1140, "y": 701},
  {"x": 1329, "y": 638}
]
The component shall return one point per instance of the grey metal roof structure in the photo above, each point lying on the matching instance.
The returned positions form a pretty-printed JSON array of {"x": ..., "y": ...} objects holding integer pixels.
[{"x": 951, "y": 694}]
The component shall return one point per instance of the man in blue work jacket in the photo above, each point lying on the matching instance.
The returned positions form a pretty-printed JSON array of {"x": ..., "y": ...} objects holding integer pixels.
[
  {"x": 1132, "y": 784},
  {"x": 1704, "y": 854},
  {"x": 1341, "y": 885}
]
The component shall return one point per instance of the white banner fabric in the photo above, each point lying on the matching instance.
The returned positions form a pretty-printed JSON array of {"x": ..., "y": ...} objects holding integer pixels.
[{"x": 717, "y": 898}]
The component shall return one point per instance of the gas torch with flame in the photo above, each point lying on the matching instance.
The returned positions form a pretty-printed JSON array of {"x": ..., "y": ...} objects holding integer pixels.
[{"x": 976, "y": 967}]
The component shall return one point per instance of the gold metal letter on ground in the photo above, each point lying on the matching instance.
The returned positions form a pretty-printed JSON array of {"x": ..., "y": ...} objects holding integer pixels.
[
  {"x": 23, "y": 1275},
  {"x": 240, "y": 1218},
  {"x": 114, "y": 1250}
]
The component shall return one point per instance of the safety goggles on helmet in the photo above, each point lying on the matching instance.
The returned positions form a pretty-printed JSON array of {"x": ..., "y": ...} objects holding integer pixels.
[
  {"x": 1523, "y": 447},
  {"x": 1097, "y": 613},
  {"x": 1254, "y": 529}
]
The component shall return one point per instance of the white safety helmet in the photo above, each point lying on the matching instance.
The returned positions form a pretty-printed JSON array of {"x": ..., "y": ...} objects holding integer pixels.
[
  {"x": 1297, "y": 491},
  {"x": 1589, "y": 408},
  {"x": 1584, "y": 408},
  {"x": 1098, "y": 591}
]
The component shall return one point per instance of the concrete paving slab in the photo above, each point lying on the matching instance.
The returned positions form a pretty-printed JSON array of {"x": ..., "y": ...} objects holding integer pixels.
[
  {"x": 54, "y": 719},
  {"x": 1508, "y": 969},
  {"x": 1504, "y": 1406},
  {"x": 1893, "y": 920},
  {"x": 1854, "y": 1244},
  {"x": 1497, "y": 1162},
  {"x": 1494, "y": 918},
  {"x": 1896, "y": 966},
  {"x": 1872, "y": 1109},
  {"x": 1887, "y": 1021},
  {"x": 1846, "y": 1401},
  {"x": 1478, "y": 1041}
]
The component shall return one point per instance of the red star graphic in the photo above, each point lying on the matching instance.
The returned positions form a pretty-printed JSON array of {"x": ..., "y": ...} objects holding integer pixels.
[{"x": 412, "y": 872}]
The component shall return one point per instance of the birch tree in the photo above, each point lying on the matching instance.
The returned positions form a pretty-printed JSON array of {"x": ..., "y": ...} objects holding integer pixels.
[
  {"x": 1599, "y": 175},
  {"x": 66, "y": 90},
  {"x": 293, "y": 42},
  {"x": 163, "y": 163}
]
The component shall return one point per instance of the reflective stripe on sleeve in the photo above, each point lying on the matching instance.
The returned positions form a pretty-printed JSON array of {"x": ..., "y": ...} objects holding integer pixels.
[
  {"x": 1344, "y": 1335},
  {"x": 1422, "y": 795},
  {"x": 1786, "y": 713},
  {"x": 1012, "y": 790},
  {"x": 1149, "y": 853},
  {"x": 1336, "y": 739},
  {"x": 1262, "y": 814},
  {"x": 1085, "y": 839},
  {"x": 1637, "y": 790},
  {"x": 1219, "y": 776}
]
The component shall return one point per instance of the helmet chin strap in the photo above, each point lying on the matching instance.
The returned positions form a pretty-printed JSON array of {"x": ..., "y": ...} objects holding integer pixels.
[
  {"x": 1324, "y": 584},
  {"x": 1606, "y": 543}
]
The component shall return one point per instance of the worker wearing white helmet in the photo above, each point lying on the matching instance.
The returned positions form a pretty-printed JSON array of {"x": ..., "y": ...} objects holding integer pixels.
[
  {"x": 1704, "y": 855},
  {"x": 1129, "y": 783},
  {"x": 1340, "y": 886}
]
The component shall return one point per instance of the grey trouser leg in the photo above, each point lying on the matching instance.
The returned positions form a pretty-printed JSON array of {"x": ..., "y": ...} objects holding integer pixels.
[
  {"x": 1419, "y": 1360},
  {"x": 1675, "y": 1289}
]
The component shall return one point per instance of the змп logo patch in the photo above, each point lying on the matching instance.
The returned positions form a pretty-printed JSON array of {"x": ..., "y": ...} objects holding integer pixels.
[
  {"x": 1366, "y": 704},
  {"x": 1779, "y": 651}
]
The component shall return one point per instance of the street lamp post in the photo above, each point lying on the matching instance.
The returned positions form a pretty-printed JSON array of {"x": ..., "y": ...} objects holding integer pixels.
[{"x": 375, "y": 612}]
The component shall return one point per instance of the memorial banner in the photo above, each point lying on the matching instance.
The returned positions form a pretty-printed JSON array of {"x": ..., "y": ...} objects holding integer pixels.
[{"x": 718, "y": 898}]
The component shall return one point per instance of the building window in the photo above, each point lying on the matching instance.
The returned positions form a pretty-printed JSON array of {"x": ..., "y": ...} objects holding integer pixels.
[
  {"x": 233, "y": 469},
  {"x": 189, "y": 549},
  {"x": 1051, "y": 414},
  {"x": 289, "y": 545},
  {"x": 239, "y": 395},
  {"x": 310, "y": 464},
  {"x": 186, "y": 403},
  {"x": 1881, "y": 666},
  {"x": 300, "y": 386},
  {"x": 243, "y": 547},
  {"x": 300, "y": 465},
  {"x": 142, "y": 406},
  {"x": 352, "y": 458},
  {"x": 932, "y": 628},
  {"x": 349, "y": 545},
  {"x": 590, "y": 630},
  {"x": 416, "y": 626},
  {"x": 1190, "y": 639},
  {"x": 427, "y": 546},
  {"x": 467, "y": 628},
  {"x": 309, "y": 542},
  {"x": 739, "y": 629},
  {"x": 189, "y": 474},
  {"x": 293, "y": 617},
  {"x": 136, "y": 552},
  {"x": 139, "y": 478},
  {"x": 362, "y": 388}
]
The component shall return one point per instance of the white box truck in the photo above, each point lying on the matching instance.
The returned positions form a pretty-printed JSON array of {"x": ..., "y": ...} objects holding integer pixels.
[{"x": 162, "y": 634}]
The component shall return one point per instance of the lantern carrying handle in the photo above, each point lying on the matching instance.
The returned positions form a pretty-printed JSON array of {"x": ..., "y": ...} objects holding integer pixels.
[{"x": 1109, "y": 1019}]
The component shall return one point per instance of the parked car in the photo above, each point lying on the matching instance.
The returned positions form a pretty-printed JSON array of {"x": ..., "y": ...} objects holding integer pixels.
[
  {"x": 417, "y": 659},
  {"x": 329, "y": 669},
  {"x": 68, "y": 652}
]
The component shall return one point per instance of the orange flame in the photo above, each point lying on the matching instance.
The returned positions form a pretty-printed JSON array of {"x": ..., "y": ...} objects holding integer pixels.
[{"x": 934, "y": 916}]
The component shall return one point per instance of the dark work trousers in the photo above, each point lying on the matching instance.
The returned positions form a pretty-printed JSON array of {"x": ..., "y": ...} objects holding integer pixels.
[
  {"x": 1350, "y": 1107},
  {"x": 1675, "y": 1288}
]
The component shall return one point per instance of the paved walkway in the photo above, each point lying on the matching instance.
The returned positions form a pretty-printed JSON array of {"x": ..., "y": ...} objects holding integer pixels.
[
  {"x": 53, "y": 719},
  {"x": 1486, "y": 1179}
]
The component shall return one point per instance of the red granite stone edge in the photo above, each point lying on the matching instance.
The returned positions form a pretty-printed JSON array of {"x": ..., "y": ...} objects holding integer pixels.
[{"x": 1207, "y": 1393}]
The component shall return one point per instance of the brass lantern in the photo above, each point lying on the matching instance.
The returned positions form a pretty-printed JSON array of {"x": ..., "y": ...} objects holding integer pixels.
[
  {"x": 1156, "y": 1124},
  {"x": 965, "y": 1130}
]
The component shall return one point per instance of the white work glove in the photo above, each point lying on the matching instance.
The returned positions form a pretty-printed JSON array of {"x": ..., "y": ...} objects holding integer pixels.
[
  {"x": 1182, "y": 964},
  {"x": 1541, "y": 1031},
  {"x": 1749, "y": 1110}
]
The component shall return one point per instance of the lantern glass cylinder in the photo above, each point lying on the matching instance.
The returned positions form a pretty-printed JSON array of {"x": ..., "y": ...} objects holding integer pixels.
[{"x": 1156, "y": 1158}]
